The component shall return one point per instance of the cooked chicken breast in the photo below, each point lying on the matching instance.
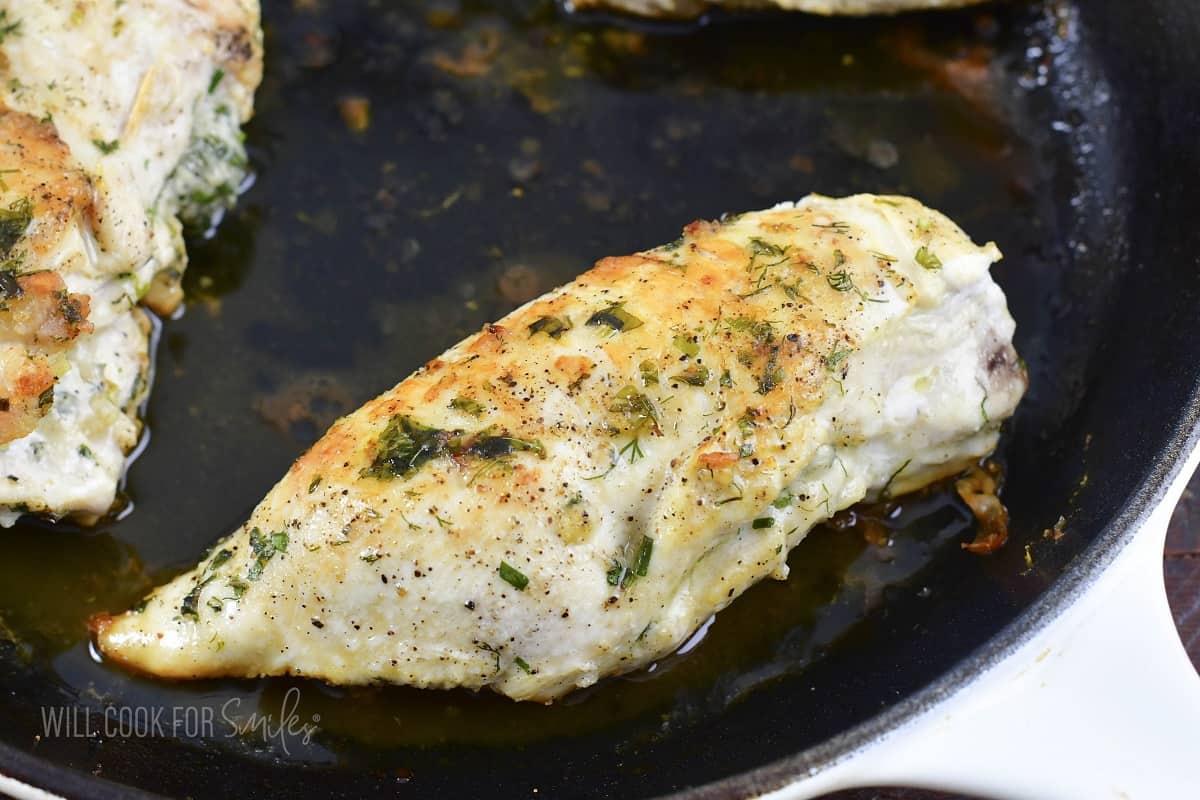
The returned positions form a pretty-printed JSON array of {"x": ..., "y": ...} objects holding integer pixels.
[
  {"x": 118, "y": 119},
  {"x": 571, "y": 492},
  {"x": 694, "y": 8}
]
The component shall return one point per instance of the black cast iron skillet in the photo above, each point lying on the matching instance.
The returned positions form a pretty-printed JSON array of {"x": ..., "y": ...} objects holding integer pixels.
[{"x": 508, "y": 148}]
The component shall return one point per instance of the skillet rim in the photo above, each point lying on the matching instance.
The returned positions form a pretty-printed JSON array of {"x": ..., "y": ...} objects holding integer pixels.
[{"x": 1066, "y": 590}]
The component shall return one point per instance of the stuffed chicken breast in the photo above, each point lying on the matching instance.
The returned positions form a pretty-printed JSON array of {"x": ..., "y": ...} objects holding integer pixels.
[
  {"x": 119, "y": 120},
  {"x": 571, "y": 492}
]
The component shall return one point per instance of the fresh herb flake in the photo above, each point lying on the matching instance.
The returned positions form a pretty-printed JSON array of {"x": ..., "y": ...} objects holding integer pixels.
[
  {"x": 636, "y": 408},
  {"x": 8, "y": 28},
  {"x": 649, "y": 373},
  {"x": 641, "y": 559},
  {"x": 14, "y": 221},
  {"x": 927, "y": 259},
  {"x": 512, "y": 576},
  {"x": 686, "y": 345},
  {"x": 264, "y": 548},
  {"x": 616, "y": 318},
  {"x": 886, "y": 491},
  {"x": 468, "y": 406},
  {"x": 840, "y": 281},
  {"x": 695, "y": 375},
  {"x": 554, "y": 327}
]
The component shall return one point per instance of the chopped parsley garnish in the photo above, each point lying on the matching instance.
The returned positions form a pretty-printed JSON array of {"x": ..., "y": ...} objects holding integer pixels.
[
  {"x": 220, "y": 558},
  {"x": 760, "y": 330},
  {"x": 927, "y": 259},
  {"x": 636, "y": 408},
  {"x": 616, "y": 318},
  {"x": 14, "y": 220},
  {"x": 468, "y": 406},
  {"x": 264, "y": 548},
  {"x": 9, "y": 287},
  {"x": 107, "y": 147},
  {"x": 190, "y": 605},
  {"x": 695, "y": 375},
  {"x": 523, "y": 665},
  {"x": 772, "y": 374},
  {"x": 784, "y": 499},
  {"x": 498, "y": 446},
  {"x": 686, "y": 345},
  {"x": 649, "y": 372},
  {"x": 313, "y": 484},
  {"x": 554, "y": 327},
  {"x": 8, "y": 28},
  {"x": 405, "y": 445},
  {"x": 216, "y": 80},
  {"x": 513, "y": 576}
]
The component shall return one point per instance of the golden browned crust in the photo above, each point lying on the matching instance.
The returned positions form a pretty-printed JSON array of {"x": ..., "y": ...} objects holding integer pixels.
[{"x": 43, "y": 194}]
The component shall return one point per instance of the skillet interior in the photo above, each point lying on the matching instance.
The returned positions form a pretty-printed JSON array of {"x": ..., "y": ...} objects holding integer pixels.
[{"x": 355, "y": 258}]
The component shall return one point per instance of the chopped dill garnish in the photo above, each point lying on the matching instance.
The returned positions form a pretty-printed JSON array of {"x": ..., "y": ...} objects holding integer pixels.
[{"x": 886, "y": 491}]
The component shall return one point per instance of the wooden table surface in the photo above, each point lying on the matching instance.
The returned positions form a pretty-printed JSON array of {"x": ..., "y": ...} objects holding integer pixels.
[{"x": 1181, "y": 568}]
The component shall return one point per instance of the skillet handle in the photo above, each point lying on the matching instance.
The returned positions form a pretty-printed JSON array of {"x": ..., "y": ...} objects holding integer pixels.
[{"x": 1103, "y": 702}]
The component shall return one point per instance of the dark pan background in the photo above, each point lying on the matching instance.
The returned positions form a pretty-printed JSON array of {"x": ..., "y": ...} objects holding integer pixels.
[{"x": 1063, "y": 131}]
